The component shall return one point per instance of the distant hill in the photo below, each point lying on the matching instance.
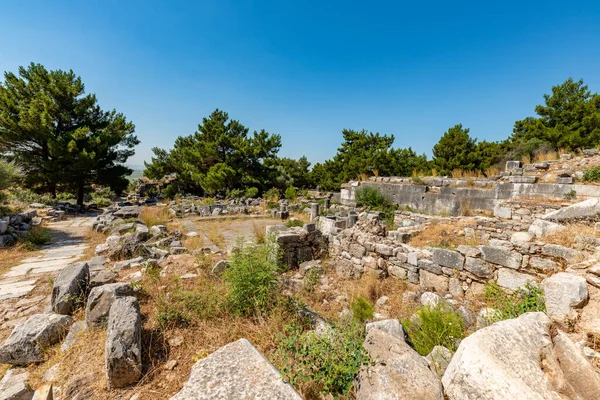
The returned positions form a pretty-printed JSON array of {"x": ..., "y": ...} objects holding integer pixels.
[{"x": 137, "y": 172}]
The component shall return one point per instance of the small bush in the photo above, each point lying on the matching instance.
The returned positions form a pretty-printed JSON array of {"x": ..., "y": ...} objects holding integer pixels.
[
  {"x": 294, "y": 223},
  {"x": 251, "y": 192},
  {"x": 592, "y": 175},
  {"x": 272, "y": 195},
  {"x": 362, "y": 309},
  {"x": 436, "y": 326},
  {"x": 290, "y": 193},
  {"x": 36, "y": 237},
  {"x": 252, "y": 279},
  {"x": 235, "y": 193},
  {"x": 570, "y": 195},
  {"x": 169, "y": 191},
  {"x": 155, "y": 216},
  {"x": 417, "y": 180},
  {"x": 322, "y": 365},
  {"x": 371, "y": 197},
  {"x": 508, "y": 306}
]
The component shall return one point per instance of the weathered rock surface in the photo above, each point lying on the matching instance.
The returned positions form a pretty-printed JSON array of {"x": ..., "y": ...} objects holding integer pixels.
[
  {"x": 123, "y": 352},
  {"x": 515, "y": 359},
  {"x": 438, "y": 359},
  {"x": 76, "y": 329},
  {"x": 390, "y": 326},
  {"x": 562, "y": 293},
  {"x": 541, "y": 228},
  {"x": 235, "y": 371},
  {"x": 13, "y": 385},
  {"x": 501, "y": 256},
  {"x": 70, "y": 287},
  {"x": 513, "y": 280},
  {"x": 27, "y": 341},
  {"x": 588, "y": 209},
  {"x": 100, "y": 301},
  {"x": 399, "y": 371}
]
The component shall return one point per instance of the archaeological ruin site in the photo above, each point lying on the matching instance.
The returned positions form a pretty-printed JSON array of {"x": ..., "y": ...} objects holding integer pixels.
[{"x": 291, "y": 200}]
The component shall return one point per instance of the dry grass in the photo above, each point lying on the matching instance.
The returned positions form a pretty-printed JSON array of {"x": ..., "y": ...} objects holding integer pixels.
[
  {"x": 92, "y": 239},
  {"x": 259, "y": 233},
  {"x": 444, "y": 235},
  {"x": 155, "y": 216},
  {"x": 492, "y": 171},
  {"x": 13, "y": 256},
  {"x": 568, "y": 236},
  {"x": 193, "y": 242},
  {"x": 546, "y": 156},
  {"x": 463, "y": 173},
  {"x": 465, "y": 208}
]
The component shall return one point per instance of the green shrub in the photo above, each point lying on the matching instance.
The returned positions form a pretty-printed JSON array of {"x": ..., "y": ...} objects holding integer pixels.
[
  {"x": 570, "y": 195},
  {"x": 251, "y": 192},
  {"x": 36, "y": 237},
  {"x": 235, "y": 193},
  {"x": 507, "y": 306},
  {"x": 294, "y": 223},
  {"x": 169, "y": 191},
  {"x": 252, "y": 278},
  {"x": 435, "y": 326},
  {"x": 271, "y": 194},
  {"x": 29, "y": 196},
  {"x": 362, "y": 309},
  {"x": 592, "y": 175},
  {"x": 322, "y": 365},
  {"x": 371, "y": 197},
  {"x": 290, "y": 193},
  {"x": 417, "y": 180}
]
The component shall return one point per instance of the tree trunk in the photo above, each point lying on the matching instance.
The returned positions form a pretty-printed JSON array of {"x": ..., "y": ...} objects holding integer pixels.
[
  {"x": 52, "y": 189},
  {"x": 80, "y": 188}
]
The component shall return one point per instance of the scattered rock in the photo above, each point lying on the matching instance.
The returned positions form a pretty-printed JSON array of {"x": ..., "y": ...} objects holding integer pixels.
[
  {"x": 27, "y": 342},
  {"x": 391, "y": 326},
  {"x": 70, "y": 287},
  {"x": 563, "y": 292},
  {"x": 235, "y": 371},
  {"x": 398, "y": 370},
  {"x": 100, "y": 301},
  {"x": 75, "y": 330},
  {"x": 14, "y": 386},
  {"x": 123, "y": 343}
]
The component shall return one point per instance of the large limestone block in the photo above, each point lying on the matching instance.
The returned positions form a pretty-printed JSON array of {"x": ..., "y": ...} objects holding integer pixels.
[
  {"x": 448, "y": 258},
  {"x": 562, "y": 293},
  {"x": 70, "y": 287},
  {"x": 513, "y": 280},
  {"x": 576, "y": 368},
  {"x": 27, "y": 342},
  {"x": 541, "y": 228},
  {"x": 501, "y": 256},
  {"x": 235, "y": 371},
  {"x": 391, "y": 326},
  {"x": 588, "y": 209},
  {"x": 123, "y": 350},
  {"x": 399, "y": 371},
  {"x": 100, "y": 301},
  {"x": 515, "y": 359},
  {"x": 14, "y": 386}
]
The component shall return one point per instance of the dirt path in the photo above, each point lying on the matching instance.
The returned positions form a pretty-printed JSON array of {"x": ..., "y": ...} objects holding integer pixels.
[{"x": 25, "y": 287}]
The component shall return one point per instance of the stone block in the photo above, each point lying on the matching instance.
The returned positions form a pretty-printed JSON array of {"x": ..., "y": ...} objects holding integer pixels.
[
  {"x": 70, "y": 287},
  {"x": 429, "y": 281},
  {"x": 502, "y": 212},
  {"x": 14, "y": 385},
  {"x": 384, "y": 250},
  {"x": 513, "y": 280},
  {"x": 429, "y": 266},
  {"x": 123, "y": 352},
  {"x": 448, "y": 258},
  {"x": 28, "y": 341},
  {"x": 501, "y": 256},
  {"x": 564, "y": 292},
  {"x": 511, "y": 165},
  {"x": 235, "y": 371},
  {"x": 356, "y": 250},
  {"x": 566, "y": 253},
  {"x": 588, "y": 209},
  {"x": 101, "y": 299},
  {"x": 541, "y": 228},
  {"x": 568, "y": 180},
  {"x": 522, "y": 179},
  {"x": 479, "y": 268},
  {"x": 543, "y": 265}
]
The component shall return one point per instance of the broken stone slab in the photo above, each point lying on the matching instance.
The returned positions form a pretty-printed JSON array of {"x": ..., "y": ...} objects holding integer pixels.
[
  {"x": 448, "y": 258},
  {"x": 576, "y": 367},
  {"x": 14, "y": 386},
  {"x": 141, "y": 233},
  {"x": 588, "y": 209},
  {"x": 235, "y": 371},
  {"x": 128, "y": 212},
  {"x": 429, "y": 281},
  {"x": 566, "y": 253},
  {"x": 102, "y": 278},
  {"x": 522, "y": 179},
  {"x": 563, "y": 292},
  {"x": 541, "y": 228},
  {"x": 513, "y": 280},
  {"x": 76, "y": 329},
  {"x": 391, "y": 326},
  {"x": 501, "y": 256},
  {"x": 100, "y": 301},
  {"x": 479, "y": 268},
  {"x": 567, "y": 180},
  {"x": 119, "y": 265},
  {"x": 123, "y": 351},
  {"x": 544, "y": 265},
  {"x": 397, "y": 369},
  {"x": 27, "y": 342},
  {"x": 219, "y": 267},
  {"x": 70, "y": 287},
  {"x": 517, "y": 359}
]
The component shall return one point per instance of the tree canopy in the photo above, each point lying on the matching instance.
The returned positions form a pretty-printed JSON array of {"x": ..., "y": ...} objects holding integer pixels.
[{"x": 58, "y": 135}]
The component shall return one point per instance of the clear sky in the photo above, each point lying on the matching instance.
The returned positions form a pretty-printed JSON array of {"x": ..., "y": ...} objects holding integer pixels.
[{"x": 307, "y": 69}]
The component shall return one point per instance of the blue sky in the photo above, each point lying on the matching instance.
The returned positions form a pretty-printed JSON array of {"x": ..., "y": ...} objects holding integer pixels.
[{"x": 308, "y": 69}]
